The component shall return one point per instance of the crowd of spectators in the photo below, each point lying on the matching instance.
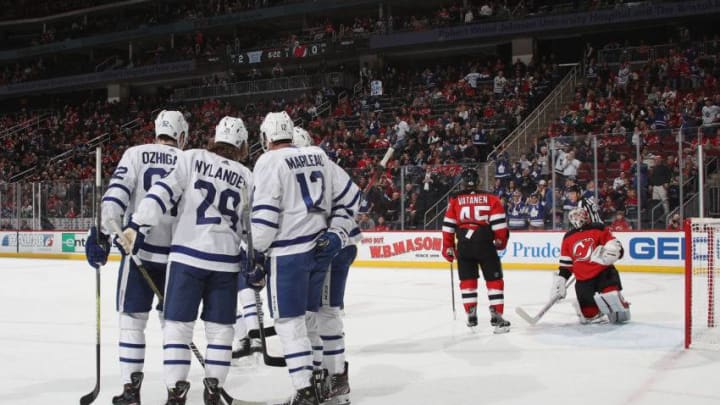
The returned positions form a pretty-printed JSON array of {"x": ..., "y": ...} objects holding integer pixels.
[
  {"x": 211, "y": 46},
  {"x": 451, "y": 114},
  {"x": 627, "y": 107}
]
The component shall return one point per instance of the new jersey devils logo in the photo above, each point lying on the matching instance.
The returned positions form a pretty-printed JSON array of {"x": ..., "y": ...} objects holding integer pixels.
[{"x": 582, "y": 249}]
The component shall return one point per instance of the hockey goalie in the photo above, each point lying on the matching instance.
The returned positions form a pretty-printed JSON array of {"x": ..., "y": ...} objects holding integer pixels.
[{"x": 589, "y": 251}]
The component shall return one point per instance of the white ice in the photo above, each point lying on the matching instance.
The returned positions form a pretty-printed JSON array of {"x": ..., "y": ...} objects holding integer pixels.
[{"x": 403, "y": 345}]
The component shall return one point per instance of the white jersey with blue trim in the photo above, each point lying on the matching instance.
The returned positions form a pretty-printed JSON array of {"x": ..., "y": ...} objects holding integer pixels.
[
  {"x": 209, "y": 229},
  {"x": 297, "y": 191},
  {"x": 346, "y": 204},
  {"x": 139, "y": 168}
]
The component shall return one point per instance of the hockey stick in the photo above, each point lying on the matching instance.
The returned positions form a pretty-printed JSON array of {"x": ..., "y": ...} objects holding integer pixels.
[
  {"x": 269, "y": 360},
  {"x": 154, "y": 288},
  {"x": 200, "y": 358},
  {"x": 452, "y": 289},
  {"x": 92, "y": 395},
  {"x": 532, "y": 320}
]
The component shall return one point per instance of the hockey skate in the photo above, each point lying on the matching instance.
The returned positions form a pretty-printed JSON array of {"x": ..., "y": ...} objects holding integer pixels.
[
  {"x": 211, "y": 394},
  {"x": 472, "y": 317},
  {"x": 178, "y": 395},
  {"x": 131, "y": 391},
  {"x": 501, "y": 324},
  {"x": 322, "y": 384},
  {"x": 339, "y": 390},
  {"x": 306, "y": 396}
]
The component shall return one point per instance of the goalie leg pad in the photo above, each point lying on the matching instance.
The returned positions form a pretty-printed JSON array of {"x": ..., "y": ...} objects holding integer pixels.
[
  {"x": 614, "y": 306},
  {"x": 132, "y": 343}
]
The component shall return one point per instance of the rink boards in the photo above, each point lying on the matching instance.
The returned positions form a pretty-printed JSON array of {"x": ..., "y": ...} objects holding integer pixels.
[{"x": 652, "y": 251}]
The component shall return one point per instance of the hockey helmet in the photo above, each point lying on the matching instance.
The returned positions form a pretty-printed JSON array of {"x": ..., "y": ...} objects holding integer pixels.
[
  {"x": 172, "y": 124},
  {"x": 591, "y": 208},
  {"x": 232, "y": 131},
  {"x": 578, "y": 217},
  {"x": 469, "y": 178},
  {"x": 276, "y": 127},
  {"x": 301, "y": 137}
]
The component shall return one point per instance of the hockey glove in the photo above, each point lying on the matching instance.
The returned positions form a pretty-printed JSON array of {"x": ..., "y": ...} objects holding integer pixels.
[
  {"x": 607, "y": 254},
  {"x": 97, "y": 247},
  {"x": 131, "y": 239},
  {"x": 500, "y": 244},
  {"x": 449, "y": 253},
  {"x": 501, "y": 239},
  {"x": 328, "y": 245},
  {"x": 559, "y": 288},
  {"x": 256, "y": 270}
]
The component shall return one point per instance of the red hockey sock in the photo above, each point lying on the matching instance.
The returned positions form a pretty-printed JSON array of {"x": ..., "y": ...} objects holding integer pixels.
[
  {"x": 468, "y": 289},
  {"x": 495, "y": 295}
]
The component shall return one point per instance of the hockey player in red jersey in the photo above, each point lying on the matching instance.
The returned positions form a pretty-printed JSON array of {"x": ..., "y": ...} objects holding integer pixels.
[
  {"x": 477, "y": 218},
  {"x": 589, "y": 251}
]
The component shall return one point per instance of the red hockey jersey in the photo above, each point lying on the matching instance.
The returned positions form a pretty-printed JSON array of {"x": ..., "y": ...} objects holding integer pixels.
[
  {"x": 474, "y": 210},
  {"x": 577, "y": 248}
]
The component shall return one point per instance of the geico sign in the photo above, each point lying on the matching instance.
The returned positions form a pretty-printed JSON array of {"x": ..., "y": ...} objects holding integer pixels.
[{"x": 667, "y": 248}]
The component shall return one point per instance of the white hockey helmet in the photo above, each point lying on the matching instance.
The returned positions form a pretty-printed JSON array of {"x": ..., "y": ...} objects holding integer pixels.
[
  {"x": 232, "y": 131},
  {"x": 578, "y": 217},
  {"x": 277, "y": 126},
  {"x": 171, "y": 123},
  {"x": 301, "y": 137}
]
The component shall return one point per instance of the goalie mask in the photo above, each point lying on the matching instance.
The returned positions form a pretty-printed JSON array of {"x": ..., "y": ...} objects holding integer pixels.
[
  {"x": 301, "y": 137},
  {"x": 173, "y": 125},
  {"x": 578, "y": 217},
  {"x": 276, "y": 127}
]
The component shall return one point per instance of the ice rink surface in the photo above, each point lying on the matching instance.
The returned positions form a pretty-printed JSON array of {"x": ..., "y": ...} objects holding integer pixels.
[{"x": 403, "y": 345}]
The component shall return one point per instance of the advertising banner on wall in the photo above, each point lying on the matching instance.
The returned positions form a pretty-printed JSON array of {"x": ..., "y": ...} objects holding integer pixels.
[
  {"x": 644, "y": 251},
  {"x": 8, "y": 242}
]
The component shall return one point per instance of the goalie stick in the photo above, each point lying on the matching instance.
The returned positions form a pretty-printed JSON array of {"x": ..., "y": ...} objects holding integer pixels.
[
  {"x": 533, "y": 320},
  {"x": 269, "y": 360},
  {"x": 92, "y": 395}
]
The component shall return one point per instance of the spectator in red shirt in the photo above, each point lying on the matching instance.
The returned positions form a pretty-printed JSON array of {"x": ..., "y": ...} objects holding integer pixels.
[
  {"x": 620, "y": 224},
  {"x": 381, "y": 226}
]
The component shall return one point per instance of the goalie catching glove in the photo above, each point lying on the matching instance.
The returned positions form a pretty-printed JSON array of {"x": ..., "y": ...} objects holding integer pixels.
[{"x": 608, "y": 254}]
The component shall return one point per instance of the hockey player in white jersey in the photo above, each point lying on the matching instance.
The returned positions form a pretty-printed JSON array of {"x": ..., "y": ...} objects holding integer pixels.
[
  {"x": 204, "y": 254},
  {"x": 291, "y": 207},
  {"x": 335, "y": 389},
  {"x": 139, "y": 168}
]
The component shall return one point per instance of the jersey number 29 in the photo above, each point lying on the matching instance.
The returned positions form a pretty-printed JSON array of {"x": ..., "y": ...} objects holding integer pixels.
[{"x": 227, "y": 205}]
